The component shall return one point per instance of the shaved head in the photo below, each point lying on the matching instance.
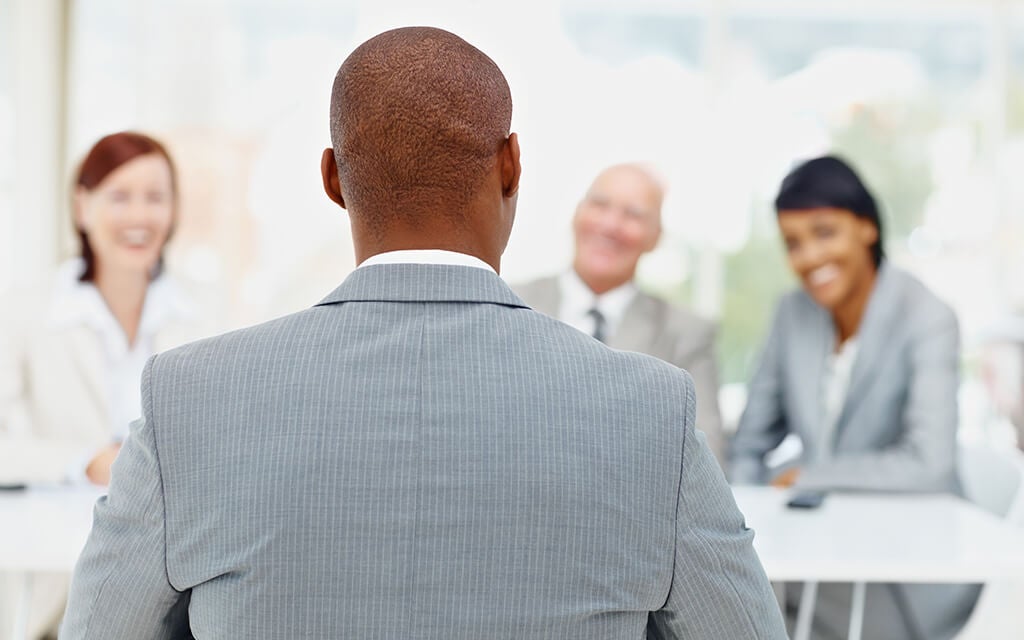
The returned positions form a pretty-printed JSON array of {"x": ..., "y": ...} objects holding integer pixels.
[
  {"x": 418, "y": 118},
  {"x": 618, "y": 220}
]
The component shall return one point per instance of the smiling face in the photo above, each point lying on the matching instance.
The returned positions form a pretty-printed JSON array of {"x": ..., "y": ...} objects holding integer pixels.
[
  {"x": 830, "y": 251},
  {"x": 618, "y": 221},
  {"x": 128, "y": 216}
]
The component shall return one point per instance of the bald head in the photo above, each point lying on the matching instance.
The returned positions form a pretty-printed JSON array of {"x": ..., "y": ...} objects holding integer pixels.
[
  {"x": 618, "y": 220},
  {"x": 418, "y": 118}
]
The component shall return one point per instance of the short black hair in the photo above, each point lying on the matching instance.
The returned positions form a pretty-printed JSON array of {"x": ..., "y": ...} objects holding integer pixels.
[
  {"x": 830, "y": 182},
  {"x": 418, "y": 116}
]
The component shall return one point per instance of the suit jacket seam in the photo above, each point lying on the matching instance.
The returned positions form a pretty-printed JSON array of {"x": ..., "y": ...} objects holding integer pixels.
[
  {"x": 419, "y": 466},
  {"x": 99, "y": 596},
  {"x": 679, "y": 500},
  {"x": 148, "y": 389},
  {"x": 159, "y": 473},
  {"x": 709, "y": 547}
]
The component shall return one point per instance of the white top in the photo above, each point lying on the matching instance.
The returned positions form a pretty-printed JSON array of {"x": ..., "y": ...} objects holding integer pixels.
[
  {"x": 578, "y": 300},
  {"x": 837, "y": 383},
  {"x": 427, "y": 256},
  {"x": 77, "y": 303}
]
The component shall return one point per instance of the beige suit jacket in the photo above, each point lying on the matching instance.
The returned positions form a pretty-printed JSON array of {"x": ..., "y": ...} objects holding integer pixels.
[
  {"x": 53, "y": 399},
  {"x": 655, "y": 327}
]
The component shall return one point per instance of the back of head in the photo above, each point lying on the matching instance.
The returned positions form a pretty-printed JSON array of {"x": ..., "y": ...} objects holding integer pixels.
[
  {"x": 830, "y": 183},
  {"x": 418, "y": 116}
]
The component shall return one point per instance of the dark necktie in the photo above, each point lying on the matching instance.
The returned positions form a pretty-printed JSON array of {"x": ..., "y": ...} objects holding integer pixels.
[{"x": 600, "y": 324}]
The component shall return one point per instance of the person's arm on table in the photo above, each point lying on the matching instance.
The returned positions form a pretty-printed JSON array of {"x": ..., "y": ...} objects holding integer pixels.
[
  {"x": 719, "y": 588},
  {"x": 120, "y": 589},
  {"x": 25, "y": 454}
]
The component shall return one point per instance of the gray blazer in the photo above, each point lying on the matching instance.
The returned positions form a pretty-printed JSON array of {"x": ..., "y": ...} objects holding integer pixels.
[
  {"x": 896, "y": 430},
  {"x": 418, "y": 456},
  {"x": 655, "y": 327}
]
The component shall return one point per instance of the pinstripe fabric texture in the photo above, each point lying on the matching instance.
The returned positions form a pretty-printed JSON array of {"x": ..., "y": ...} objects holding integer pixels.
[
  {"x": 418, "y": 456},
  {"x": 653, "y": 326}
]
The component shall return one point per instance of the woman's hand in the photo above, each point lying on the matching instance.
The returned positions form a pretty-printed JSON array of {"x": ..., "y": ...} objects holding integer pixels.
[
  {"x": 98, "y": 470},
  {"x": 787, "y": 478}
]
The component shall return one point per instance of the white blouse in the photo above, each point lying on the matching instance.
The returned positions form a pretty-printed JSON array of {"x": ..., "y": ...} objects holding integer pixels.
[
  {"x": 77, "y": 303},
  {"x": 837, "y": 383}
]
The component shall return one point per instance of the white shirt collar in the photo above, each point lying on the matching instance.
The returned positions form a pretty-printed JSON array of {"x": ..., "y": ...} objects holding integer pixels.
[
  {"x": 577, "y": 300},
  {"x": 427, "y": 256},
  {"x": 79, "y": 304},
  {"x": 76, "y": 303}
]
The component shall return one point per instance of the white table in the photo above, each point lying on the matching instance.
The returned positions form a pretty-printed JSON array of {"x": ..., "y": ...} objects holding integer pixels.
[
  {"x": 863, "y": 538},
  {"x": 857, "y": 538},
  {"x": 42, "y": 530}
]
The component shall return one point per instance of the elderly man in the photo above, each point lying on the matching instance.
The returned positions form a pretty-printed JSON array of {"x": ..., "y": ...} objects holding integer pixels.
[
  {"x": 419, "y": 455},
  {"x": 619, "y": 220}
]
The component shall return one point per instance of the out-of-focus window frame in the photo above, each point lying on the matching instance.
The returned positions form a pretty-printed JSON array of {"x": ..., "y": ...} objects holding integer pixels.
[
  {"x": 37, "y": 189},
  {"x": 7, "y": 126}
]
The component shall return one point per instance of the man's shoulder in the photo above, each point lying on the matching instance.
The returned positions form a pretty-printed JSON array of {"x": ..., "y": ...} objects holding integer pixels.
[
  {"x": 921, "y": 304},
  {"x": 558, "y": 340},
  {"x": 676, "y": 317},
  {"x": 275, "y": 334},
  {"x": 538, "y": 293}
]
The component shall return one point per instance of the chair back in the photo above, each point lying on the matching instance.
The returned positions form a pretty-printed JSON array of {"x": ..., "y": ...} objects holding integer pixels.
[{"x": 994, "y": 480}]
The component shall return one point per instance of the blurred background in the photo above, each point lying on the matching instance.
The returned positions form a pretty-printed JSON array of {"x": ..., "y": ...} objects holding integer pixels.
[{"x": 925, "y": 98}]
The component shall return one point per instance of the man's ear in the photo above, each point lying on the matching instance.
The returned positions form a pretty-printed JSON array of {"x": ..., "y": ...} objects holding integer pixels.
[
  {"x": 510, "y": 167},
  {"x": 329, "y": 173}
]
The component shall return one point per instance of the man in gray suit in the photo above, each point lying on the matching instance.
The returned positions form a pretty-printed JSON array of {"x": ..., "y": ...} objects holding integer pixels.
[
  {"x": 419, "y": 455},
  {"x": 616, "y": 222}
]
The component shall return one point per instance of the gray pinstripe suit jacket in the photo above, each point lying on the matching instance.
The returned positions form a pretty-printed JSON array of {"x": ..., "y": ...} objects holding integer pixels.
[
  {"x": 663, "y": 330},
  {"x": 418, "y": 456}
]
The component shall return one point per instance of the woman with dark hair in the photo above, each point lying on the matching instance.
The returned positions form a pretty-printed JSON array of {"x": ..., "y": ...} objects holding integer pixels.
[
  {"x": 862, "y": 365},
  {"x": 72, "y": 350}
]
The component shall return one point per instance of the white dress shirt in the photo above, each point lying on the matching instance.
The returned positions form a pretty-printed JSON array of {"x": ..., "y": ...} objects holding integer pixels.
[
  {"x": 77, "y": 303},
  {"x": 577, "y": 301},
  {"x": 837, "y": 383},
  {"x": 427, "y": 256}
]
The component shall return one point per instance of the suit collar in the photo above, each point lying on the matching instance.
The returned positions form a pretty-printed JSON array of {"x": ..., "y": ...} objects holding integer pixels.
[
  {"x": 423, "y": 283},
  {"x": 875, "y": 330},
  {"x": 817, "y": 340}
]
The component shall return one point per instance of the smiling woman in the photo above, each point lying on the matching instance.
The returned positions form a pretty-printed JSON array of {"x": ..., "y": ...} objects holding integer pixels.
[
  {"x": 125, "y": 202},
  {"x": 72, "y": 351},
  {"x": 861, "y": 365},
  {"x": 833, "y": 235}
]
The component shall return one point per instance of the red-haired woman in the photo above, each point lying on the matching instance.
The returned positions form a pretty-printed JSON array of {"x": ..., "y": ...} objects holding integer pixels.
[{"x": 72, "y": 351}]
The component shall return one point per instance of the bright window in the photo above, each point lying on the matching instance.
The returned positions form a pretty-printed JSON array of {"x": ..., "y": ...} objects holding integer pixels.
[
  {"x": 7, "y": 145},
  {"x": 925, "y": 99}
]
